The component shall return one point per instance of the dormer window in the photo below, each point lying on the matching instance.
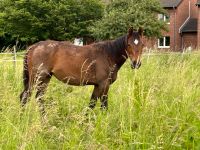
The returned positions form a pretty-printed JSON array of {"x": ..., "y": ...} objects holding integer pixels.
[{"x": 165, "y": 18}]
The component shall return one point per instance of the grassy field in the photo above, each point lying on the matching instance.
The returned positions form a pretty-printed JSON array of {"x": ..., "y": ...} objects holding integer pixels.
[{"x": 155, "y": 107}]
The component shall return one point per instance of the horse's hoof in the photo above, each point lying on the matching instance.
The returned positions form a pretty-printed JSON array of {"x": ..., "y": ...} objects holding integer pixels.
[{"x": 104, "y": 108}]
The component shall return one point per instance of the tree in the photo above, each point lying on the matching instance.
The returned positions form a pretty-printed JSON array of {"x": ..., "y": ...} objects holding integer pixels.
[
  {"x": 33, "y": 20},
  {"x": 119, "y": 15}
]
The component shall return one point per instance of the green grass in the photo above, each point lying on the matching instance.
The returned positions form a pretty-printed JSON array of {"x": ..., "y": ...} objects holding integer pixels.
[
  {"x": 10, "y": 56},
  {"x": 155, "y": 107}
]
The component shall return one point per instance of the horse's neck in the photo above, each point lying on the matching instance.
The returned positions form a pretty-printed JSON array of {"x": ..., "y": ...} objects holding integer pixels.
[{"x": 118, "y": 51}]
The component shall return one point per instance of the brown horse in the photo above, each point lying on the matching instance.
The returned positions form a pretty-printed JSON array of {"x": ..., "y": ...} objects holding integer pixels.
[{"x": 96, "y": 64}]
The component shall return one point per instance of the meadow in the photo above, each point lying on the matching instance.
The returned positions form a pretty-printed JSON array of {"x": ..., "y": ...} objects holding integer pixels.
[{"x": 155, "y": 107}]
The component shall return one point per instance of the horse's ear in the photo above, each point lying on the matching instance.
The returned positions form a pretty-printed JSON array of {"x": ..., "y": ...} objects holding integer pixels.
[
  {"x": 141, "y": 31},
  {"x": 130, "y": 31}
]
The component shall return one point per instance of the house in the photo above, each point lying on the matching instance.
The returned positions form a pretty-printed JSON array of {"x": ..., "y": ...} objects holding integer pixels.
[
  {"x": 183, "y": 20},
  {"x": 198, "y": 24}
]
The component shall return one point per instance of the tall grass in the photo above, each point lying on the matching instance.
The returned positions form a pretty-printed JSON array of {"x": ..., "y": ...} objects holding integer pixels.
[{"x": 155, "y": 107}]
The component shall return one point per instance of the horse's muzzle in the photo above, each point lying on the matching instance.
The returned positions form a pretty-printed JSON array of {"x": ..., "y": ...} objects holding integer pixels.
[{"x": 135, "y": 65}]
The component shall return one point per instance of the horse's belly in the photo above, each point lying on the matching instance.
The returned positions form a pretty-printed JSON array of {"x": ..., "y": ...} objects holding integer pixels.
[
  {"x": 75, "y": 75},
  {"x": 75, "y": 68},
  {"x": 75, "y": 80}
]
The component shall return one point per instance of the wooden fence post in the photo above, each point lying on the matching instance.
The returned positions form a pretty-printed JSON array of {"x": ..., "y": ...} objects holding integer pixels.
[
  {"x": 149, "y": 53},
  {"x": 14, "y": 57}
]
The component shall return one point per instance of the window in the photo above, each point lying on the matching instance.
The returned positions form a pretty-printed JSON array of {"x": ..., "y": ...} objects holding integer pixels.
[
  {"x": 164, "y": 42},
  {"x": 78, "y": 41},
  {"x": 165, "y": 18}
]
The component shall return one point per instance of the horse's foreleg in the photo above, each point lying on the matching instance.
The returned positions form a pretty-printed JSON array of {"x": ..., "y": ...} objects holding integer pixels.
[
  {"x": 100, "y": 92},
  {"x": 104, "y": 101},
  {"x": 104, "y": 98},
  {"x": 94, "y": 97},
  {"x": 104, "y": 94}
]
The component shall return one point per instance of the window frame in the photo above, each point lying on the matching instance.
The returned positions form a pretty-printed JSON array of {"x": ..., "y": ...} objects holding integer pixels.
[
  {"x": 164, "y": 42},
  {"x": 164, "y": 18}
]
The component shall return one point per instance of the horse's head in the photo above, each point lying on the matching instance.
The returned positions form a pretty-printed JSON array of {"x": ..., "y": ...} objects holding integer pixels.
[{"x": 134, "y": 47}]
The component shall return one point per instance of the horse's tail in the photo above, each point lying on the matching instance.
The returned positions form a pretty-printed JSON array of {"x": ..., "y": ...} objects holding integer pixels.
[
  {"x": 26, "y": 81},
  {"x": 26, "y": 77}
]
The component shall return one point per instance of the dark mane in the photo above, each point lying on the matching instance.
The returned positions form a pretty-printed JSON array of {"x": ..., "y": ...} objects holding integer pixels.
[
  {"x": 116, "y": 49},
  {"x": 113, "y": 46}
]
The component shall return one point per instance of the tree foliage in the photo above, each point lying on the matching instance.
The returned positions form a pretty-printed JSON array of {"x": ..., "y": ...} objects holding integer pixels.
[
  {"x": 119, "y": 15},
  {"x": 29, "y": 21},
  {"x": 34, "y": 20}
]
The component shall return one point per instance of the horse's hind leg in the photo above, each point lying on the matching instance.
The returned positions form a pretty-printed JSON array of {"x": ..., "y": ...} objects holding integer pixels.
[
  {"x": 24, "y": 96},
  {"x": 41, "y": 85}
]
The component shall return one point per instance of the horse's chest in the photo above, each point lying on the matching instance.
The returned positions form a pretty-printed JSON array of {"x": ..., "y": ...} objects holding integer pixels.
[
  {"x": 113, "y": 74},
  {"x": 113, "y": 77}
]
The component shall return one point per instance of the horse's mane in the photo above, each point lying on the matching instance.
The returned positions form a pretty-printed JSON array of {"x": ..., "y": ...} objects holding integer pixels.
[{"x": 112, "y": 46}]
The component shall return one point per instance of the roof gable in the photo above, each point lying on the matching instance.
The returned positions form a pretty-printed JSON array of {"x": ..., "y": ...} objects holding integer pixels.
[
  {"x": 170, "y": 3},
  {"x": 190, "y": 26}
]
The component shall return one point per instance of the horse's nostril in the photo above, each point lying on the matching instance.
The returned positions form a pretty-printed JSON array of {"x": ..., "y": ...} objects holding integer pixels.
[
  {"x": 138, "y": 65},
  {"x": 135, "y": 65}
]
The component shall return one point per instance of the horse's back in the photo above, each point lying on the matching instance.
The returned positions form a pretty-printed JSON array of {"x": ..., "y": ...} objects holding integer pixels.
[
  {"x": 41, "y": 53},
  {"x": 46, "y": 49}
]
